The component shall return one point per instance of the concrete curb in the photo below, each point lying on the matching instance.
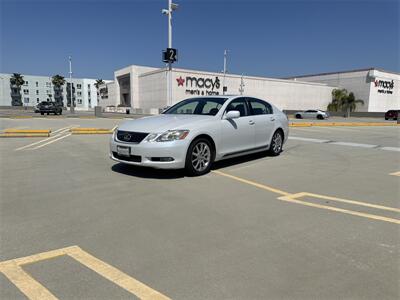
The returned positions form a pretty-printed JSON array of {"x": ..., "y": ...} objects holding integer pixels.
[
  {"x": 11, "y": 130},
  {"x": 90, "y": 131},
  {"x": 11, "y": 135},
  {"x": 25, "y": 133},
  {"x": 349, "y": 124}
]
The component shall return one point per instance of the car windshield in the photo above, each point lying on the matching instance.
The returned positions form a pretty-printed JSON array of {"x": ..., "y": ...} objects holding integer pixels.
[{"x": 197, "y": 106}]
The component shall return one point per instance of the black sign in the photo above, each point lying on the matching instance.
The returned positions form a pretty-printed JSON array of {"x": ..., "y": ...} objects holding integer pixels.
[
  {"x": 200, "y": 85},
  {"x": 384, "y": 86},
  {"x": 170, "y": 55}
]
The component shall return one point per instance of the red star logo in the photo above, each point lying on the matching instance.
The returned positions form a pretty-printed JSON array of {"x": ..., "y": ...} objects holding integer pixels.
[{"x": 180, "y": 81}]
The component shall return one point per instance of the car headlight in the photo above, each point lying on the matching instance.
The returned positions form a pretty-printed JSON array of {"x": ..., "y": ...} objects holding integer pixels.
[
  {"x": 114, "y": 133},
  {"x": 168, "y": 136}
]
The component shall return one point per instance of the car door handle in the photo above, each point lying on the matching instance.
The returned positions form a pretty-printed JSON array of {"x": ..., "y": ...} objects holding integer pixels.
[
  {"x": 272, "y": 119},
  {"x": 251, "y": 122}
]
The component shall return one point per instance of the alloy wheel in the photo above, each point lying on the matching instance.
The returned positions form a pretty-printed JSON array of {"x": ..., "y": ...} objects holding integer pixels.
[{"x": 201, "y": 156}]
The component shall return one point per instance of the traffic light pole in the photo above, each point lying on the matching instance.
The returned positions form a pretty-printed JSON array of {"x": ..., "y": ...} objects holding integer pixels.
[{"x": 169, "y": 73}]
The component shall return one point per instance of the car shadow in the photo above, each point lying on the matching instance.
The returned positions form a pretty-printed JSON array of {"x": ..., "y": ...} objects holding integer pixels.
[
  {"x": 239, "y": 160},
  {"x": 150, "y": 173},
  {"x": 145, "y": 172}
]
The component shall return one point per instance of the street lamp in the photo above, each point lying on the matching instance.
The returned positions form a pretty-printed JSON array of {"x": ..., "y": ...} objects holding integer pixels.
[
  {"x": 223, "y": 81},
  {"x": 168, "y": 12},
  {"x": 71, "y": 106}
]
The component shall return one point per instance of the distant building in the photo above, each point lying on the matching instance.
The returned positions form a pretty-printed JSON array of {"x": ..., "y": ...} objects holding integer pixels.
[
  {"x": 40, "y": 88},
  {"x": 379, "y": 89}
]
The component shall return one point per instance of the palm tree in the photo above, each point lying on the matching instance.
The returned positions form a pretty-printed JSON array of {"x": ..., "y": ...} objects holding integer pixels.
[
  {"x": 58, "y": 81},
  {"x": 350, "y": 104},
  {"x": 342, "y": 101},
  {"x": 16, "y": 80},
  {"x": 338, "y": 96},
  {"x": 98, "y": 83}
]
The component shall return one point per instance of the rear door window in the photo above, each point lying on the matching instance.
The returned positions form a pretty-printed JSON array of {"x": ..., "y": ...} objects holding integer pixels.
[{"x": 259, "y": 107}]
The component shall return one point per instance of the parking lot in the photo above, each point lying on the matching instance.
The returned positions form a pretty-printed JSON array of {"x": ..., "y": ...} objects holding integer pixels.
[{"x": 320, "y": 221}]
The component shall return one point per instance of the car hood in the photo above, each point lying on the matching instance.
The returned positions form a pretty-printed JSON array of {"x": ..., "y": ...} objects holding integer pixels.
[{"x": 162, "y": 123}]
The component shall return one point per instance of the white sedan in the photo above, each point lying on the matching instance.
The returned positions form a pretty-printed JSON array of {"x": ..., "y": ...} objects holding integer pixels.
[
  {"x": 196, "y": 132},
  {"x": 312, "y": 114}
]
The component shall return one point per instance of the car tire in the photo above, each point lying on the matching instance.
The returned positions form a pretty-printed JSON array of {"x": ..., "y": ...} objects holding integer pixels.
[
  {"x": 48, "y": 113},
  {"x": 320, "y": 117},
  {"x": 386, "y": 118},
  {"x": 199, "y": 157},
  {"x": 42, "y": 113},
  {"x": 60, "y": 112},
  {"x": 298, "y": 116},
  {"x": 275, "y": 147}
]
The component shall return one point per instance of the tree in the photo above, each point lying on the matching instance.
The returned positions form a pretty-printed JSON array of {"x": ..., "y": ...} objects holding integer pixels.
[
  {"x": 350, "y": 104},
  {"x": 16, "y": 80},
  {"x": 342, "y": 101},
  {"x": 338, "y": 96},
  {"x": 58, "y": 81},
  {"x": 98, "y": 83}
]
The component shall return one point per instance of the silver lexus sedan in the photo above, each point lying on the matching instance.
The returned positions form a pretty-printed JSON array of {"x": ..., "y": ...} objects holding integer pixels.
[{"x": 198, "y": 131}]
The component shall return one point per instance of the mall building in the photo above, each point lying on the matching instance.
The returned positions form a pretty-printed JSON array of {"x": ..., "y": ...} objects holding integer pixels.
[{"x": 144, "y": 89}]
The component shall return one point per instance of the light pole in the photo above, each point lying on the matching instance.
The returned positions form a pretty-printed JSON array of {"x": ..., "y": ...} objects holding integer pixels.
[
  {"x": 241, "y": 88},
  {"x": 223, "y": 80},
  {"x": 168, "y": 12},
  {"x": 72, "y": 110}
]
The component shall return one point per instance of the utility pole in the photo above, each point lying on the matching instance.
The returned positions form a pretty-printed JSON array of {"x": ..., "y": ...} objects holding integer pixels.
[
  {"x": 169, "y": 46},
  {"x": 72, "y": 109},
  {"x": 170, "y": 56},
  {"x": 223, "y": 80},
  {"x": 241, "y": 89}
]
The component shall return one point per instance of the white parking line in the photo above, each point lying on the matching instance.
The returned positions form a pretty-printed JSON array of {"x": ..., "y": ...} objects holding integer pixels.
[
  {"x": 391, "y": 149},
  {"x": 52, "y": 141},
  {"x": 308, "y": 139},
  {"x": 354, "y": 144},
  {"x": 64, "y": 130}
]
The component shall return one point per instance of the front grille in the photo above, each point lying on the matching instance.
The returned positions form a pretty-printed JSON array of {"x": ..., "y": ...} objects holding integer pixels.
[
  {"x": 130, "y": 137},
  {"x": 134, "y": 158}
]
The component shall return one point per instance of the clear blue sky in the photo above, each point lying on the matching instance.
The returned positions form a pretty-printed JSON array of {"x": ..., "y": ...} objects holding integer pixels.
[{"x": 267, "y": 38}]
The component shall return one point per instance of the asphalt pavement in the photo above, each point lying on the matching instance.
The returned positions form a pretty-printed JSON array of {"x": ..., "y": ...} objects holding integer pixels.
[{"x": 320, "y": 221}]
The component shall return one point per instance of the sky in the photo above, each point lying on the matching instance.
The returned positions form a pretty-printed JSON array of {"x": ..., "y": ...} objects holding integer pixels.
[{"x": 264, "y": 38}]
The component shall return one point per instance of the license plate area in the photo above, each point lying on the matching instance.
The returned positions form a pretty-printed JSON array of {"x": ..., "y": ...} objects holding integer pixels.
[{"x": 124, "y": 151}]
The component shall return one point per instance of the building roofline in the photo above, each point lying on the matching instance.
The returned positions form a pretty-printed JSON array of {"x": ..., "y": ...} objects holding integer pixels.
[
  {"x": 341, "y": 72},
  {"x": 160, "y": 70}
]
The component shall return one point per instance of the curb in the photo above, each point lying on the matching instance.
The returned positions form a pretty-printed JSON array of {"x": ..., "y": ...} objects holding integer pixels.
[
  {"x": 11, "y": 135},
  {"x": 91, "y": 131},
  {"x": 350, "y": 124},
  {"x": 25, "y": 133}
]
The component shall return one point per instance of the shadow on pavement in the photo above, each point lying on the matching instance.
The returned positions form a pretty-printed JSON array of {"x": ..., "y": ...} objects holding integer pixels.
[{"x": 145, "y": 172}]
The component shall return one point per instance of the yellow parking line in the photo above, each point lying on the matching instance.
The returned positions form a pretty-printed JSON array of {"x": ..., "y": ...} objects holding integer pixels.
[
  {"x": 293, "y": 198},
  {"x": 345, "y": 211},
  {"x": 395, "y": 173},
  {"x": 12, "y": 269},
  {"x": 304, "y": 194},
  {"x": 261, "y": 186},
  {"x": 26, "y": 284}
]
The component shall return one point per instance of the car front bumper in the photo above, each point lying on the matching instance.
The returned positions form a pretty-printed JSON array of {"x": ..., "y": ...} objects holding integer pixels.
[{"x": 147, "y": 154}]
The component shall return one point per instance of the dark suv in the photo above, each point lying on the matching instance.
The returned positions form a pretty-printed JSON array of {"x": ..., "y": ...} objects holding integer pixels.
[
  {"x": 48, "y": 107},
  {"x": 392, "y": 114}
]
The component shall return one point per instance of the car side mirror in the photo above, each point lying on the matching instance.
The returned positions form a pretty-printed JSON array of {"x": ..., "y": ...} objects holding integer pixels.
[{"x": 233, "y": 114}]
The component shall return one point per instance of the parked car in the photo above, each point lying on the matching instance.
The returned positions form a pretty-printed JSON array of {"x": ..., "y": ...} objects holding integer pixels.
[
  {"x": 392, "y": 114},
  {"x": 312, "y": 114},
  {"x": 48, "y": 107},
  {"x": 196, "y": 132}
]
